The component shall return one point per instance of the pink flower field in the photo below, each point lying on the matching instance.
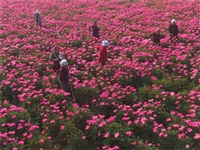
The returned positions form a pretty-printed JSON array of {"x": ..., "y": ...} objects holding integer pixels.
[{"x": 147, "y": 98}]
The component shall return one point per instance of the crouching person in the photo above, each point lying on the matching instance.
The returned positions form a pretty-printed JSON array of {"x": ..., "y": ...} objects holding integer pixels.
[
  {"x": 156, "y": 37},
  {"x": 64, "y": 75}
]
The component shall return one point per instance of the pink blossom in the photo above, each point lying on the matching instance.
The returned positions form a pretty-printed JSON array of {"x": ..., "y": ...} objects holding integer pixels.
[
  {"x": 52, "y": 121},
  {"x": 129, "y": 133},
  {"x": 189, "y": 130},
  {"x": 30, "y": 136},
  {"x": 165, "y": 135},
  {"x": 168, "y": 119},
  {"x": 21, "y": 142},
  {"x": 172, "y": 93},
  {"x": 134, "y": 143},
  {"x": 116, "y": 135},
  {"x": 106, "y": 135},
  {"x": 197, "y": 136},
  {"x": 102, "y": 124},
  {"x": 33, "y": 128},
  {"x": 41, "y": 141},
  {"x": 62, "y": 127},
  {"x": 187, "y": 146},
  {"x": 14, "y": 116},
  {"x": 99, "y": 134}
]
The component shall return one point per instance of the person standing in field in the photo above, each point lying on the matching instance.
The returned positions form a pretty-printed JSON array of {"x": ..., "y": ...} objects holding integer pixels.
[
  {"x": 56, "y": 57},
  {"x": 95, "y": 30},
  {"x": 102, "y": 57},
  {"x": 173, "y": 30},
  {"x": 156, "y": 37},
  {"x": 37, "y": 18},
  {"x": 64, "y": 75}
]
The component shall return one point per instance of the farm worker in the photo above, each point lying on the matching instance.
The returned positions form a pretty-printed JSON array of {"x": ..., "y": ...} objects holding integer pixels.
[
  {"x": 155, "y": 37},
  {"x": 64, "y": 74},
  {"x": 37, "y": 18},
  {"x": 173, "y": 29},
  {"x": 56, "y": 57},
  {"x": 95, "y": 30},
  {"x": 102, "y": 57}
]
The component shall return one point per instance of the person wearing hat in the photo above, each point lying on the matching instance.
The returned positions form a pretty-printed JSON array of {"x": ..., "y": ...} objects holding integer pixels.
[
  {"x": 102, "y": 57},
  {"x": 155, "y": 37},
  {"x": 95, "y": 30},
  {"x": 56, "y": 57},
  {"x": 64, "y": 74},
  {"x": 173, "y": 30},
  {"x": 37, "y": 18}
]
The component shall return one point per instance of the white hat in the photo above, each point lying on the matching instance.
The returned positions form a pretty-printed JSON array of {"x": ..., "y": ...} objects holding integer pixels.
[
  {"x": 63, "y": 63},
  {"x": 105, "y": 43},
  {"x": 173, "y": 21}
]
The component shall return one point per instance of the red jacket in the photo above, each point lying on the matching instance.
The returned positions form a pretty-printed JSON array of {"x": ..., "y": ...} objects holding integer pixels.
[{"x": 102, "y": 57}]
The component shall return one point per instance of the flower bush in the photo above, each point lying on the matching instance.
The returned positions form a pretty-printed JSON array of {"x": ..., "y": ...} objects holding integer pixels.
[{"x": 147, "y": 97}]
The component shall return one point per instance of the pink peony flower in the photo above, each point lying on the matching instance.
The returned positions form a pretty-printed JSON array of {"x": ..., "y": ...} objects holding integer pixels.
[
  {"x": 129, "y": 133},
  {"x": 52, "y": 121},
  {"x": 21, "y": 142},
  {"x": 134, "y": 143},
  {"x": 62, "y": 127},
  {"x": 187, "y": 146},
  {"x": 197, "y": 136},
  {"x": 41, "y": 141},
  {"x": 116, "y": 135},
  {"x": 106, "y": 135},
  {"x": 189, "y": 130}
]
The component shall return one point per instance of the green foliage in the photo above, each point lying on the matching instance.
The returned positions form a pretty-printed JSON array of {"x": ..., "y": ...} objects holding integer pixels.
[
  {"x": 172, "y": 139},
  {"x": 21, "y": 36},
  {"x": 24, "y": 15},
  {"x": 171, "y": 86},
  {"x": 31, "y": 41},
  {"x": 85, "y": 95},
  {"x": 77, "y": 43},
  {"x": 129, "y": 54},
  {"x": 3, "y": 35},
  {"x": 115, "y": 42},
  {"x": 197, "y": 48},
  {"x": 146, "y": 36},
  {"x": 13, "y": 116},
  {"x": 158, "y": 73}
]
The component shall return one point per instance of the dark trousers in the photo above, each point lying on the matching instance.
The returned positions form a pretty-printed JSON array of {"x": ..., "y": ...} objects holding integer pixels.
[
  {"x": 96, "y": 36},
  {"x": 64, "y": 85},
  {"x": 37, "y": 24},
  {"x": 103, "y": 63},
  {"x": 56, "y": 68},
  {"x": 172, "y": 36},
  {"x": 156, "y": 43}
]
